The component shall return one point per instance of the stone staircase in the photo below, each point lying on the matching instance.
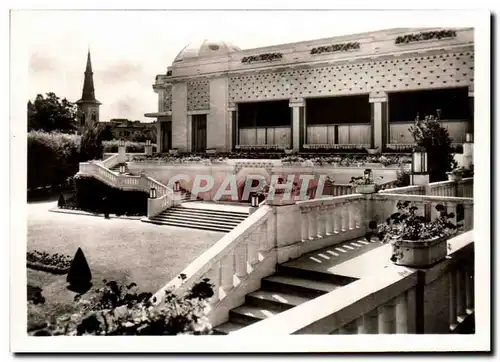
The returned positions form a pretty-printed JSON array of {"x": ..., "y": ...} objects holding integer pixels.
[
  {"x": 195, "y": 218},
  {"x": 285, "y": 289},
  {"x": 116, "y": 168}
]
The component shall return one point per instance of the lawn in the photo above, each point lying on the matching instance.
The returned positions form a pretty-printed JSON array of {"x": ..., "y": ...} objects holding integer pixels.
[{"x": 117, "y": 249}]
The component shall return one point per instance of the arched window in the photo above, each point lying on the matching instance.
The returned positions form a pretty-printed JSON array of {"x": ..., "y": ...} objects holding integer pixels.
[{"x": 94, "y": 117}]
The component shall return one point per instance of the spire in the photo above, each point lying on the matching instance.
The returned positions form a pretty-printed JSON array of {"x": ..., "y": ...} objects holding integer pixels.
[{"x": 88, "y": 93}]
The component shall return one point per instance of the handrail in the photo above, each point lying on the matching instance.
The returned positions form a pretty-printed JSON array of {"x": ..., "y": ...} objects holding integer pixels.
[
  {"x": 407, "y": 190},
  {"x": 355, "y": 308},
  {"x": 210, "y": 258},
  {"x": 329, "y": 200},
  {"x": 424, "y": 198}
]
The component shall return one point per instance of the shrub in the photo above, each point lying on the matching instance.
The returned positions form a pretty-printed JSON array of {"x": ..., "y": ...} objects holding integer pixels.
[
  {"x": 403, "y": 177},
  {"x": 91, "y": 144},
  {"x": 132, "y": 147},
  {"x": 122, "y": 310},
  {"x": 52, "y": 158},
  {"x": 434, "y": 138},
  {"x": 90, "y": 193}
]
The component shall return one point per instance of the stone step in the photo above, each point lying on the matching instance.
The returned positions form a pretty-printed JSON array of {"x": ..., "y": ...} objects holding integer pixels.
[
  {"x": 298, "y": 286},
  {"x": 303, "y": 273},
  {"x": 272, "y": 299},
  {"x": 197, "y": 219},
  {"x": 249, "y": 314},
  {"x": 227, "y": 328},
  {"x": 210, "y": 211},
  {"x": 185, "y": 224},
  {"x": 178, "y": 212}
]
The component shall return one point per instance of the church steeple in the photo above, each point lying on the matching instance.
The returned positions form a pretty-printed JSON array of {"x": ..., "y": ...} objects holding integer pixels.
[
  {"x": 88, "y": 93},
  {"x": 88, "y": 105}
]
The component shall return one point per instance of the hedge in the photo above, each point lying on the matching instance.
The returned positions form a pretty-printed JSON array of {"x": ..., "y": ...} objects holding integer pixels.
[
  {"x": 132, "y": 147},
  {"x": 90, "y": 193},
  {"x": 52, "y": 158}
]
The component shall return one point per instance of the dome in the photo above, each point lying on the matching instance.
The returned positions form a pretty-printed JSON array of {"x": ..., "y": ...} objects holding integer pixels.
[{"x": 206, "y": 48}]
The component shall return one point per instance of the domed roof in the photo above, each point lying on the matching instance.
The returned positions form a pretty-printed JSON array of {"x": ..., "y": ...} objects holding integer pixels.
[{"x": 204, "y": 48}]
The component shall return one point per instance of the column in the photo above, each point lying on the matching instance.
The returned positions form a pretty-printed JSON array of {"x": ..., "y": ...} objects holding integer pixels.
[
  {"x": 233, "y": 129},
  {"x": 378, "y": 110},
  {"x": 159, "y": 136},
  {"x": 297, "y": 121}
]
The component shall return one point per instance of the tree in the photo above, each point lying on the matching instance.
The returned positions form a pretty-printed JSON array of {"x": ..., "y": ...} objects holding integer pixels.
[
  {"x": 52, "y": 114},
  {"x": 91, "y": 147},
  {"x": 105, "y": 130},
  {"x": 435, "y": 139}
]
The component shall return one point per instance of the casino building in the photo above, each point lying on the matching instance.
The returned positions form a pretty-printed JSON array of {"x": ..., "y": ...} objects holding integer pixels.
[{"x": 355, "y": 91}]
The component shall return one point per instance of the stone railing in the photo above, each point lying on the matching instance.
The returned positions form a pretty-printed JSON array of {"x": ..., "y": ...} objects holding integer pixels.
[
  {"x": 391, "y": 184},
  {"x": 465, "y": 187},
  {"x": 328, "y": 221},
  {"x": 111, "y": 161},
  {"x": 462, "y": 207},
  {"x": 442, "y": 188},
  {"x": 407, "y": 190},
  {"x": 394, "y": 299},
  {"x": 234, "y": 265},
  {"x": 338, "y": 189},
  {"x": 165, "y": 196}
]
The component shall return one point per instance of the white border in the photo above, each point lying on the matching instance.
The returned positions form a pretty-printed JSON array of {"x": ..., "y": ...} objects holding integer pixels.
[{"x": 20, "y": 342}]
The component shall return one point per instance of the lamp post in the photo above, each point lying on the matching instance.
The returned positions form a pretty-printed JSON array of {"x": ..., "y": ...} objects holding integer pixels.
[
  {"x": 419, "y": 170},
  {"x": 255, "y": 200},
  {"x": 468, "y": 137},
  {"x": 177, "y": 186},
  {"x": 367, "y": 175},
  {"x": 152, "y": 193},
  {"x": 122, "y": 168},
  {"x": 148, "y": 142},
  {"x": 121, "y": 143}
]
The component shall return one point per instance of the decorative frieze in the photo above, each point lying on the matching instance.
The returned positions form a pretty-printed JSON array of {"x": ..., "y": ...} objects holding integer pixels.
[
  {"x": 262, "y": 58},
  {"x": 344, "y": 47},
  {"x": 428, "y": 35}
]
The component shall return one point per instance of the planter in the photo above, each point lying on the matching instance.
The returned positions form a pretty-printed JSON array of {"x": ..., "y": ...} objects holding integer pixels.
[
  {"x": 454, "y": 177},
  {"x": 373, "y": 151},
  {"x": 288, "y": 151},
  {"x": 366, "y": 189},
  {"x": 420, "y": 254}
]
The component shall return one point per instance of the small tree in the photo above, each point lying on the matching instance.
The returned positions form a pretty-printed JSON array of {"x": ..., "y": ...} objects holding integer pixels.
[
  {"x": 50, "y": 113},
  {"x": 91, "y": 147},
  {"x": 435, "y": 139}
]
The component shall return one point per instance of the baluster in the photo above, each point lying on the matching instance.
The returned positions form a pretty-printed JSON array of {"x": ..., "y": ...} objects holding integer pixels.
[
  {"x": 350, "y": 328},
  {"x": 214, "y": 274},
  {"x": 351, "y": 209},
  {"x": 313, "y": 225},
  {"x": 368, "y": 324},
  {"x": 337, "y": 219},
  {"x": 304, "y": 224},
  {"x": 345, "y": 216},
  {"x": 253, "y": 256},
  {"x": 468, "y": 216},
  {"x": 241, "y": 260},
  {"x": 386, "y": 318},
  {"x": 469, "y": 286},
  {"x": 402, "y": 313},
  {"x": 452, "y": 299},
  {"x": 227, "y": 272},
  {"x": 321, "y": 220},
  {"x": 460, "y": 275},
  {"x": 329, "y": 220},
  {"x": 263, "y": 238},
  {"x": 451, "y": 207}
]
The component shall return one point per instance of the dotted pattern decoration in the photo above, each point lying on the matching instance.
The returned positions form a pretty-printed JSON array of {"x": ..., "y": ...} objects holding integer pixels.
[
  {"x": 198, "y": 95},
  {"x": 375, "y": 77},
  {"x": 167, "y": 100}
]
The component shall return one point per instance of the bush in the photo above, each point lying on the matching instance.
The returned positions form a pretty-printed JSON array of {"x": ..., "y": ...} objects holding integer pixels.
[
  {"x": 91, "y": 147},
  {"x": 132, "y": 147},
  {"x": 122, "y": 310},
  {"x": 90, "y": 193},
  {"x": 435, "y": 139},
  {"x": 52, "y": 158}
]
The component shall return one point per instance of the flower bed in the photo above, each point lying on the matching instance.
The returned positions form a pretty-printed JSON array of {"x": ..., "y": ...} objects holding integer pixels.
[
  {"x": 306, "y": 160},
  {"x": 52, "y": 263}
]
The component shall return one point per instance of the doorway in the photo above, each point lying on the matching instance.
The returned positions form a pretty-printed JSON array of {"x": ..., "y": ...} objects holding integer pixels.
[
  {"x": 166, "y": 131},
  {"x": 199, "y": 134}
]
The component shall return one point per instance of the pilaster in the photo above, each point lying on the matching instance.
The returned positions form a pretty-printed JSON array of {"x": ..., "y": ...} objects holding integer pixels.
[
  {"x": 297, "y": 123},
  {"x": 379, "y": 116}
]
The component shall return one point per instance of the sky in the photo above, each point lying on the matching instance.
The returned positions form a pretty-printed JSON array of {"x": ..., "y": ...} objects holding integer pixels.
[{"x": 129, "y": 48}]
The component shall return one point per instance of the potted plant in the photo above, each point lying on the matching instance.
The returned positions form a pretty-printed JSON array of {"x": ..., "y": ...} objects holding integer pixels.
[
  {"x": 417, "y": 242},
  {"x": 456, "y": 174},
  {"x": 373, "y": 151},
  {"x": 365, "y": 184}
]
